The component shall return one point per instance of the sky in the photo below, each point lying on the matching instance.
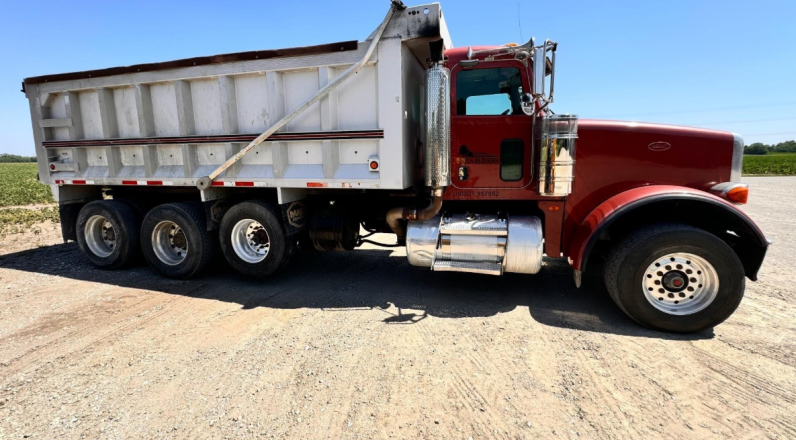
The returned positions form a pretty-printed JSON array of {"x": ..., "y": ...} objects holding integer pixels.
[{"x": 728, "y": 65}]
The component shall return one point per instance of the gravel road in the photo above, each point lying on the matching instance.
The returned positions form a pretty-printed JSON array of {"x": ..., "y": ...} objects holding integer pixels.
[{"x": 362, "y": 345}]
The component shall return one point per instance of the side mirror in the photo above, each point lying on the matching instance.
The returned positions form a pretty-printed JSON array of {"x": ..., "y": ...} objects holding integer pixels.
[
  {"x": 527, "y": 104},
  {"x": 539, "y": 70}
]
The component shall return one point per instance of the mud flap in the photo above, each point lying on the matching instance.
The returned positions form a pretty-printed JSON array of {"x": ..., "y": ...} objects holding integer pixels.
[
  {"x": 294, "y": 217},
  {"x": 68, "y": 213}
]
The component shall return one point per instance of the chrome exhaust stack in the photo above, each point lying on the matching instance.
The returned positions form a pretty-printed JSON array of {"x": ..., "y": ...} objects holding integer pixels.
[{"x": 438, "y": 126}]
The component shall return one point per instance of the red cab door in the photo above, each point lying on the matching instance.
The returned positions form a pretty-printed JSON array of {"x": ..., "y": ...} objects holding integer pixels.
[{"x": 491, "y": 137}]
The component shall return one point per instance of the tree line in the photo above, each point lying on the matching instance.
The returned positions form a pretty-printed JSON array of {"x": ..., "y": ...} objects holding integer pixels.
[
  {"x": 761, "y": 148},
  {"x": 13, "y": 158}
]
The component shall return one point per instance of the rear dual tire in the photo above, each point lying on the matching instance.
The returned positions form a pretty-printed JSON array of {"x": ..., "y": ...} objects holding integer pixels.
[
  {"x": 108, "y": 233},
  {"x": 175, "y": 240},
  {"x": 253, "y": 239}
]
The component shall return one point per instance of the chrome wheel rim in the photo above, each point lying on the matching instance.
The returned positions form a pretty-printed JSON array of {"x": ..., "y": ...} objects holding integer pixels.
[
  {"x": 169, "y": 243},
  {"x": 680, "y": 284},
  {"x": 100, "y": 236},
  {"x": 250, "y": 241}
]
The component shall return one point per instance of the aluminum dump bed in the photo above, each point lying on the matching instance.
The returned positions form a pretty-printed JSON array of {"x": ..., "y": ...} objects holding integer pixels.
[{"x": 172, "y": 123}]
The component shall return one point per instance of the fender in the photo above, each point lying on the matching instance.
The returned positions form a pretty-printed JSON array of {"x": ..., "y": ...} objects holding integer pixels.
[{"x": 623, "y": 203}]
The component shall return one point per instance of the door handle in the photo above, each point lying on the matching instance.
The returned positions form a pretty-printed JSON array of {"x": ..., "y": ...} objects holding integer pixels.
[{"x": 464, "y": 174}]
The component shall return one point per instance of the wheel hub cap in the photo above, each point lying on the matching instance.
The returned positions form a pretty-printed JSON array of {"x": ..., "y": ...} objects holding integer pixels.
[
  {"x": 100, "y": 236},
  {"x": 675, "y": 281},
  {"x": 250, "y": 241},
  {"x": 169, "y": 243},
  {"x": 680, "y": 283}
]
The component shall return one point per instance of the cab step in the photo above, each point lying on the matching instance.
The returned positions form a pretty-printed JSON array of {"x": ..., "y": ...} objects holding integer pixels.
[{"x": 486, "y": 268}]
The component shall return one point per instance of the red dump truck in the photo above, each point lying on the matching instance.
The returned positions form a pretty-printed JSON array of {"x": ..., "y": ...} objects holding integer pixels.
[{"x": 455, "y": 151}]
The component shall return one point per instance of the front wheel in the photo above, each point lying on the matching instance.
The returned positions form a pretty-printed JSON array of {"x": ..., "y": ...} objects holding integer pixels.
[{"x": 675, "y": 278}]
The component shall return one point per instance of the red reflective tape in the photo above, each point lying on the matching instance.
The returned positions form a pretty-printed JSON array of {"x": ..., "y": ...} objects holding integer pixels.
[
  {"x": 154, "y": 182},
  {"x": 316, "y": 185},
  {"x": 79, "y": 182},
  {"x": 129, "y": 182},
  {"x": 217, "y": 184},
  {"x": 59, "y": 182},
  {"x": 244, "y": 183}
]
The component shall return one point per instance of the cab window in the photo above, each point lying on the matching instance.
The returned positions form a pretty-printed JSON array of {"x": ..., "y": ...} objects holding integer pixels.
[
  {"x": 511, "y": 159},
  {"x": 484, "y": 92}
]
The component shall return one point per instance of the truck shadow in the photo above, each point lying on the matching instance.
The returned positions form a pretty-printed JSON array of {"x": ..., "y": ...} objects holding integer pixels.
[{"x": 369, "y": 279}]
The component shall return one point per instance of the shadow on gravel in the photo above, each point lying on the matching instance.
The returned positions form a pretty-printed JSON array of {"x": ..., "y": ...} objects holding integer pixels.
[{"x": 371, "y": 279}]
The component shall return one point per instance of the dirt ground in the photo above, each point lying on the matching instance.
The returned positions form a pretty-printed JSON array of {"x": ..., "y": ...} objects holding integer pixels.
[{"x": 362, "y": 345}]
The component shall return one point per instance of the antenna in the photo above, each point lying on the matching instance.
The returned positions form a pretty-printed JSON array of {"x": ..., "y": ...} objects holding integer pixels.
[{"x": 519, "y": 21}]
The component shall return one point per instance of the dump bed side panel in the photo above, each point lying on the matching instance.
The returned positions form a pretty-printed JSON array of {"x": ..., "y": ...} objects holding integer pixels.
[{"x": 179, "y": 125}]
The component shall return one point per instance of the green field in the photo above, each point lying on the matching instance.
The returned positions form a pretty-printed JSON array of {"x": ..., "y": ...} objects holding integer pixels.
[
  {"x": 771, "y": 164},
  {"x": 18, "y": 187}
]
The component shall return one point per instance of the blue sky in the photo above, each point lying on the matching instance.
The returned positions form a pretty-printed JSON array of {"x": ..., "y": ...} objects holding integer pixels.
[{"x": 728, "y": 65}]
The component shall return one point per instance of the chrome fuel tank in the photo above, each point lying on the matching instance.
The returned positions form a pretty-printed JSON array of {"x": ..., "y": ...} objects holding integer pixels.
[{"x": 479, "y": 243}]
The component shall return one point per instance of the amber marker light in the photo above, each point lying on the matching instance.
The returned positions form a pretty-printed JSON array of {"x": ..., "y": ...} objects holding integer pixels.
[{"x": 737, "y": 193}]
